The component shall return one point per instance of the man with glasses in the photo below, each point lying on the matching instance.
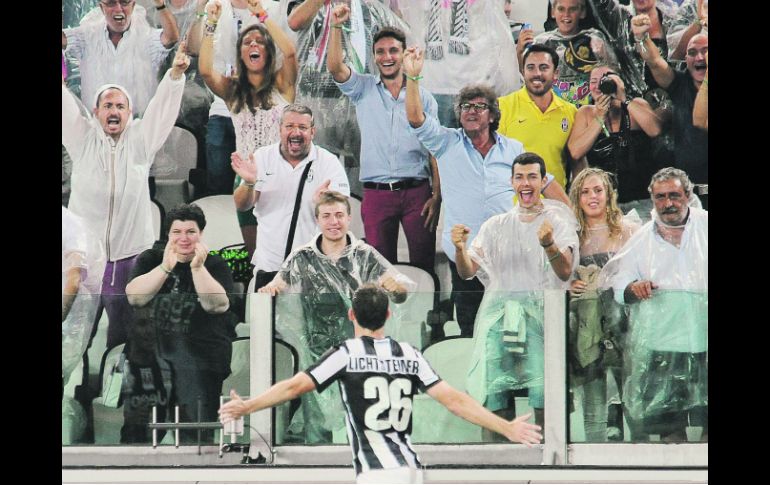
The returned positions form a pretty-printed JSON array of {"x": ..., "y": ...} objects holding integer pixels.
[
  {"x": 690, "y": 143},
  {"x": 116, "y": 46},
  {"x": 538, "y": 118},
  {"x": 475, "y": 166}
]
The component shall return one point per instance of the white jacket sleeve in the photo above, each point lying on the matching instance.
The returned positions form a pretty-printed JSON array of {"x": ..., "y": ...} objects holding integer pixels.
[
  {"x": 74, "y": 126},
  {"x": 161, "y": 113}
]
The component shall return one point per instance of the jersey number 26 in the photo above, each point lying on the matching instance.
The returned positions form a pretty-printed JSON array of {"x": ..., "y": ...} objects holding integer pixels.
[{"x": 389, "y": 397}]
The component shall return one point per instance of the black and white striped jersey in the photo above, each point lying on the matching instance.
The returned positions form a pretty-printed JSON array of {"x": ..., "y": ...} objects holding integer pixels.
[{"x": 377, "y": 379}]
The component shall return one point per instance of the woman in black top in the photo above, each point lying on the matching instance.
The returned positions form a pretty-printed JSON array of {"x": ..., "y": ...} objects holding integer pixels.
[{"x": 615, "y": 133}]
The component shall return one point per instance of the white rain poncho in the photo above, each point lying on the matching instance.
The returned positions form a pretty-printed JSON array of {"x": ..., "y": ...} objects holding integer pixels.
[
  {"x": 79, "y": 249},
  {"x": 134, "y": 63},
  {"x": 312, "y": 316},
  {"x": 508, "y": 333},
  {"x": 335, "y": 115},
  {"x": 465, "y": 42},
  {"x": 105, "y": 171},
  {"x": 666, "y": 358}
]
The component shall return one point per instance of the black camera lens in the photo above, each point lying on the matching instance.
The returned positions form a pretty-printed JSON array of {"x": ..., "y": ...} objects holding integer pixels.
[{"x": 607, "y": 85}]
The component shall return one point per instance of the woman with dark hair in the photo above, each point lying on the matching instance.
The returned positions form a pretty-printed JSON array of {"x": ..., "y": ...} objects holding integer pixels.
[
  {"x": 261, "y": 86},
  {"x": 597, "y": 323},
  {"x": 260, "y": 82}
]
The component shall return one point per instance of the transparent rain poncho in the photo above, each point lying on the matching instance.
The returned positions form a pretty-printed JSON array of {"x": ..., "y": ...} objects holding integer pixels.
[
  {"x": 465, "y": 42},
  {"x": 312, "y": 316},
  {"x": 508, "y": 333},
  {"x": 615, "y": 21},
  {"x": 578, "y": 54},
  {"x": 335, "y": 115},
  {"x": 196, "y": 100},
  {"x": 666, "y": 356},
  {"x": 597, "y": 323},
  {"x": 80, "y": 249},
  {"x": 137, "y": 71}
]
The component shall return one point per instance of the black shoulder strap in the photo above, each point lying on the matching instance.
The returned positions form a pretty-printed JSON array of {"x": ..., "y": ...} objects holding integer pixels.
[
  {"x": 295, "y": 216},
  {"x": 625, "y": 119}
]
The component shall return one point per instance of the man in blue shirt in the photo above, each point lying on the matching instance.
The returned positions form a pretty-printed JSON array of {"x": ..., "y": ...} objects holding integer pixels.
[
  {"x": 475, "y": 165},
  {"x": 394, "y": 165}
]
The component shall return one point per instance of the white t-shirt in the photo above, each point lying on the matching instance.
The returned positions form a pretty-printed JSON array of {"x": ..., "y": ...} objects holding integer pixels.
[{"x": 277, "y": 183}]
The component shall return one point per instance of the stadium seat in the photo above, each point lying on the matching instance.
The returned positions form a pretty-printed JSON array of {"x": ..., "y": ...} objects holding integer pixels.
[
  {"x": 172, "y": 165},
  {"x": 222, "y": 227},
  {"x": 433, "y": 423}
]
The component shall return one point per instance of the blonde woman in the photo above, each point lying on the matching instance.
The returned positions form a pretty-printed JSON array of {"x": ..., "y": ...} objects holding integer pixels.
[{"x": 597, "y": 323}]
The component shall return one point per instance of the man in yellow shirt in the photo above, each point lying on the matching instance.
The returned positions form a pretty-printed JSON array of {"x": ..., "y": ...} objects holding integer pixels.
[{"x": 537, "y": 118}]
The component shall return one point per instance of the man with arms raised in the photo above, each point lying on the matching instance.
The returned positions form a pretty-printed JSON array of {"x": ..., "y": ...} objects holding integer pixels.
[
  {"x": 475, "y": 165},
  {"x": 111, "y": 159}
]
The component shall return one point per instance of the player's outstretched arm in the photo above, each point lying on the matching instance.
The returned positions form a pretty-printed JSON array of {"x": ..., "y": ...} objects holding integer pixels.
[
  {"x": 461, "y": 404},
  {"x": 279, "y": 393}
]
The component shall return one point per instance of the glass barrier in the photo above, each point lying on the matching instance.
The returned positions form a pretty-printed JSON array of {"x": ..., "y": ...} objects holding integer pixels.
[
  {"x": 180, "y": 350},
  {"x": 499, "y": 367},
  {"x": 654, "y": 353},
  {"x": 639, "y": 372}
]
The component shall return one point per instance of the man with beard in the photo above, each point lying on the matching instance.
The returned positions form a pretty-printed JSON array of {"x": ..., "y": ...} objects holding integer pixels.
[
  {"x": 536, "y": 117},
  {"x": 111, "y": 158},
  {"x": 394, "y": 165},
  {"x": 662, "y": 274},
  {"x": 319, "y": 280},
  {"x": 690, "y": 143},
  {"x": 475, "y": 164},
  {"x": 115, "y": 46},
  {"x": 282, "y": 182},
  {"x": 579, "y": 50},
  {"x": 517, "y": 255}
]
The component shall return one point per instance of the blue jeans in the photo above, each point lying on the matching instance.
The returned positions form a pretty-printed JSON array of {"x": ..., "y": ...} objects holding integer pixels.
[{"x": 220, "y": 144}]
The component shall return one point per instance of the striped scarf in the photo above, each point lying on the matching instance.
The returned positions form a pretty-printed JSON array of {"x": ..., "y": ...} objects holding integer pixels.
[{"x": 459, "y": 42}]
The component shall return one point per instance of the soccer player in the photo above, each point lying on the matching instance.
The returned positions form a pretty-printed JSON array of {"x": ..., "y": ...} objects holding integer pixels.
[{"x": 378, "y": 378}]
